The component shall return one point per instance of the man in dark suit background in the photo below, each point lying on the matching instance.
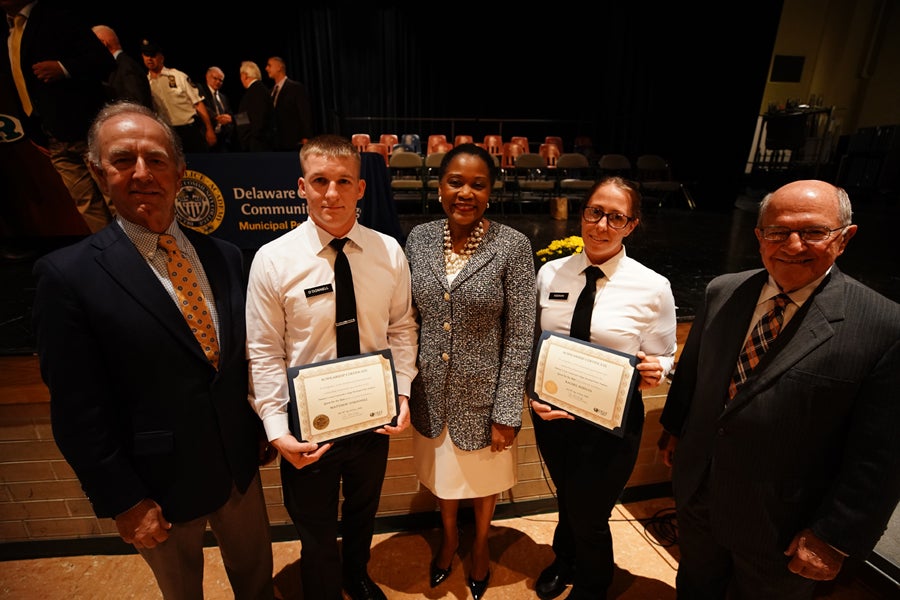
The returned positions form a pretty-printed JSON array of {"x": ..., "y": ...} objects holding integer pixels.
[
  {"x": 293, "y": 113},
  {"x": 219, "y": 108},
  {"x": 161, "y": 437},
  {"x": 254, "y": 119},
  {"x": 64, "y": 67},
  {"x": 800, "y": 468},
  {"x": 129, "y": 79}
]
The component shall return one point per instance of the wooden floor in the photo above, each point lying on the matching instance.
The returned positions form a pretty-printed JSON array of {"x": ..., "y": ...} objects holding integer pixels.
[{"x": 643, "y": 534}]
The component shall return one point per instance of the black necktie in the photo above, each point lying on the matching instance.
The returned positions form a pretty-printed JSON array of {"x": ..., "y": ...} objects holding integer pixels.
[
  {"x": 345, "y": 303},
  {"x": 275, "y": 91},
  {"x": 581, "y": 317}
]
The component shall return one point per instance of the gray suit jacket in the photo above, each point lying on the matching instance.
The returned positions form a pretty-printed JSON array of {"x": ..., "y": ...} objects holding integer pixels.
[
  {"x": 476, "y": 334},
  {"x": 810, "y": 440}
]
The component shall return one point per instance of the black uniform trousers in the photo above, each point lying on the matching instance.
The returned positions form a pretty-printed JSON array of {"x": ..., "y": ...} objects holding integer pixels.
[
  {"x": 589, "y": 467},
  {"x": 354, "y": 466}
]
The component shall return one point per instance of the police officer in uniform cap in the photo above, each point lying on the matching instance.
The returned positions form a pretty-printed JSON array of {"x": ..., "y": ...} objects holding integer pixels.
[{"x": 178, "y": 101}]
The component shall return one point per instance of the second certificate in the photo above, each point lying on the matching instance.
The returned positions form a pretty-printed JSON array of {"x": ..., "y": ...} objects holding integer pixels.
[{"x": 589, "y": 381}]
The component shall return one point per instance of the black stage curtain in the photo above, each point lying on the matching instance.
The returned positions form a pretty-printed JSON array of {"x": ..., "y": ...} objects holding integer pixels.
[{"x": 678, "y": 80}]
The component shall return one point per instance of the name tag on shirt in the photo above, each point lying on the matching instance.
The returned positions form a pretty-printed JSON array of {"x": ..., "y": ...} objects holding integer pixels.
[
  {"x": 559, "y": 295},
  {"x": 318, "y": 290}
]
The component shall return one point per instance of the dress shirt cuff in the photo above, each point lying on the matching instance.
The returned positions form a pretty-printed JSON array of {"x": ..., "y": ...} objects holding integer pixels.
[{"x": 276, "y": 426}]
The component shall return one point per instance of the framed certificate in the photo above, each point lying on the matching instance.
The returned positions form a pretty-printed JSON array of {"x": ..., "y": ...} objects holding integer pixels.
[
  {"x": 588, "y": 381},
  {"x": 338, "y": 398}
]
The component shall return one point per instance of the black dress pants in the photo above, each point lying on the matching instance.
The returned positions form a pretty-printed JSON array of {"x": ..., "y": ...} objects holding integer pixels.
[
  {"x": 589, "y": 467},
  {"x": 356, "y": 467}
]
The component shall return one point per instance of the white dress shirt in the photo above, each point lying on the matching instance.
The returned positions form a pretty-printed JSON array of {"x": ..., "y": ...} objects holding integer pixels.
[
  {"x": 634, "y": 308},
  {"x": 291, "y": 311}
]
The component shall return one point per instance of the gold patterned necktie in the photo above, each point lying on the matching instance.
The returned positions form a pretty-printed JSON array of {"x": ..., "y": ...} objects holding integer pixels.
[
  {"x": 764, "y": 332},
  {"x": 15, "y": 40},
  {"x": 190, "y": 298}
]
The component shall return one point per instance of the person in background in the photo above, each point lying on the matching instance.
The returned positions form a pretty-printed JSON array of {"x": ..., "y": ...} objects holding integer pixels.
[
  {"x": 129, "y": 80},
  {"x": 783, "y": 470},
  {"x": 178, "y": 101},
  {"x": 63, "y": 67},
  {"x": 255, "y": 126},
  {"x": 473, "y": 288},
  {"x": 219, "y": 108},
  {"x": 154, "y": 422},
  {"x": 291, "y": 313},
  {"x": 633, "y": 311},
  {"x": 292, "y": 109}
]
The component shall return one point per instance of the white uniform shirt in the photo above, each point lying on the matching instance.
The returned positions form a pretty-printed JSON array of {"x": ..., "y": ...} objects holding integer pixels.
[
  {"x": 174, "y": 96},
  {"x": 634, "y": 308},
  {"x": 291, "y": 310}
]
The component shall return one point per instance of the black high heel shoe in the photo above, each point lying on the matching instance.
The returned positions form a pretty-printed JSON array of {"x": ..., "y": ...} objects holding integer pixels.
[
  {"x": 478, "y": 587},
  {"x": 438, "y": 575}
]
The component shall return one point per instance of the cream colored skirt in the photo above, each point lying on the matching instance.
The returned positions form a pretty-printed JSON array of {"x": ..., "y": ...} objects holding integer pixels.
[{"x": 454, "y": 474}]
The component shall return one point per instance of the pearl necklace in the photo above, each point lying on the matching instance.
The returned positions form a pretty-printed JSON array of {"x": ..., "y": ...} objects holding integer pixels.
[{"x": 453, "y": 262}]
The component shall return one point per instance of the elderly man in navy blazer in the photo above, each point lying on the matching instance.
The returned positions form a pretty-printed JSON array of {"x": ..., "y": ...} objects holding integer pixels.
[
  {"x": 785, "y": 471},
  {"x": 159, "y": 432}
]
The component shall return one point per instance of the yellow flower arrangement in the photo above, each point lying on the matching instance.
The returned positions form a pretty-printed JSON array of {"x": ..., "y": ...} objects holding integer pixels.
[{"x": 559, "y": 248}]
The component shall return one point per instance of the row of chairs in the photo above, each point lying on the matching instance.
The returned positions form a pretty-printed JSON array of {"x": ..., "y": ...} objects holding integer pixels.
[
  {"x": 387, "y": 143},
  {"x": 528, "y": 179},
  {"x": 536, "y": 177}
]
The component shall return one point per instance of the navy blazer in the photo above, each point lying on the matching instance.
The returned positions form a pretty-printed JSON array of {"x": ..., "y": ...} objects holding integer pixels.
[
  {"x": 293, "y": 116},
  {"x": 136, "y": 408},
  {"x": 809, "y": 440},
  {"x": 129, "y": 81},
  {"x": 255, "y": 125},
  {"x": 65, "y": 108}
]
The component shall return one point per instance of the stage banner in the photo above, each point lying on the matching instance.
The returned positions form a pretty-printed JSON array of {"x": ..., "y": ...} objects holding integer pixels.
[{"x": 250, "y": 198}]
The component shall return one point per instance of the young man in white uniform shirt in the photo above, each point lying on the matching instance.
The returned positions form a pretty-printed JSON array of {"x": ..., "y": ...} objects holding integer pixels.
[{"x": 291, "y": 322}]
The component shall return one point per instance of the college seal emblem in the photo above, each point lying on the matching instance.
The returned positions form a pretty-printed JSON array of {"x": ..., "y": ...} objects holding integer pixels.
[{"x": 200, "y": 204}]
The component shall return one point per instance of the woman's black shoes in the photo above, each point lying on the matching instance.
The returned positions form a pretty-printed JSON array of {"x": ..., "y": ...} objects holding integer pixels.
[
  {"x": 478, "y": 586},
  {"x": 438, "y": 575}
]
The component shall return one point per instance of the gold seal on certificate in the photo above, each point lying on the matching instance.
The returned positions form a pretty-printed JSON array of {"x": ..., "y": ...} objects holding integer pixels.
[
  {"x": 339, "y": 398},
  {"x": 588, "y": 381}
]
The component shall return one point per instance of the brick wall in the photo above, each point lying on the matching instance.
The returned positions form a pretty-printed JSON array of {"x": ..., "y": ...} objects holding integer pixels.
[{"x": 40, "y": 498}]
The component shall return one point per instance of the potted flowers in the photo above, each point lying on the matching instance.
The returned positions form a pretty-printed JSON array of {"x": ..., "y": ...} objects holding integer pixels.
[{"x": 559, "y": 248}]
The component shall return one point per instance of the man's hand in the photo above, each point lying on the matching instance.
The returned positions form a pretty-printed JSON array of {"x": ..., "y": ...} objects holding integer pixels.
[
  {"x": 298, "y": 453},
  {"x": 402, "y": 418},
  {"x": 143, "y": 525},
  {"x": 667, "y": 444},
  {"x": 48, "y": 71},
  {"x": 813, "y": 558}
]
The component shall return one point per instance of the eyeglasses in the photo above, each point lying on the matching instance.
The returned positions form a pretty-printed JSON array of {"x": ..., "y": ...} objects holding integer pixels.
[
  {"x": 810, "y": 234},
  {"x": 595, "y": 214}
]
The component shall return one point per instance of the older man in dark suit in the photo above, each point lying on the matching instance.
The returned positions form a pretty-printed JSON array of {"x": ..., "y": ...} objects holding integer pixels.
[
  {"x": 129, "y": 79},
  {"x": 149, "y": 405},
  {"x": 786, "y": 461},
  {"x": 254, "y": 119}
]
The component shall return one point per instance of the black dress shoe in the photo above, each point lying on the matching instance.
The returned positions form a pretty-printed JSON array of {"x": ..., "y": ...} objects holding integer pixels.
[
  {"x": 553, "y": 580},
  {"x": 363, "y": 588},
  {"x": 478, "y": 586},
  {"x": 438, "y": 575}
]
